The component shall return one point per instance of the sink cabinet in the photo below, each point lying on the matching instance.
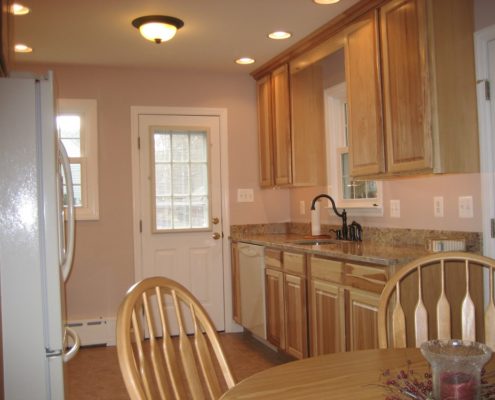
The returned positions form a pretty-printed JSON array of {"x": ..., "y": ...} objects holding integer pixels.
[
  {"x": 343, "y": 305},
  {"x": 286, "y": 306}
]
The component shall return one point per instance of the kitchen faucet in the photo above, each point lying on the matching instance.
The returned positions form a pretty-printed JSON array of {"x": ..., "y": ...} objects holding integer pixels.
[{"x": 351, "y": 232}]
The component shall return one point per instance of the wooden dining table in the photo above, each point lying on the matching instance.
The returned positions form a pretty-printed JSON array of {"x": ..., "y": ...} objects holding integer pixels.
[{"x": 357, "y": 375}]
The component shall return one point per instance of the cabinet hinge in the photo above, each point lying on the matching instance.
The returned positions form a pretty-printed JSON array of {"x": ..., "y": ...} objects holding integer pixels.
[
  {"x": 492, "y": 227},
  {"x": 140, "y": 226},
  {"x": 139, "y": 143}
]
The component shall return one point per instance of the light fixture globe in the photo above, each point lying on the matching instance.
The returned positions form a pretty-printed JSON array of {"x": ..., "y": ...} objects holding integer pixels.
[{"x": 158, "y": 28}]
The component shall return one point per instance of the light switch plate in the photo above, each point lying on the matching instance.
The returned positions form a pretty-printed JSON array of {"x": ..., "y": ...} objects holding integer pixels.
[
  {"x": 466, "y": 207},
  {"x": 438, "y": 206},
  {"x": 395, "y": 208},
  {"x": 245, "y": 195}
]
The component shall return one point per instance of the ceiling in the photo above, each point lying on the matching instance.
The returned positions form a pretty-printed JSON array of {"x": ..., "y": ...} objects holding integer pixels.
[{"x": 216, "y": 32}]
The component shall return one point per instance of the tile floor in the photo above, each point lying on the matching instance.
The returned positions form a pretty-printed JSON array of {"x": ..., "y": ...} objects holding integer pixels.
[{"x": 94, "y": 373}]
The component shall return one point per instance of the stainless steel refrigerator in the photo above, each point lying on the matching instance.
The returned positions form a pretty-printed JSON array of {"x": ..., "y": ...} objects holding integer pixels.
[{"x": 36, "y": 241}]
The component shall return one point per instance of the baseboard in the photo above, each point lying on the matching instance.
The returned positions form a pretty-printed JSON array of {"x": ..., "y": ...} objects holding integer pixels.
[{"x": 98, "y": 331}]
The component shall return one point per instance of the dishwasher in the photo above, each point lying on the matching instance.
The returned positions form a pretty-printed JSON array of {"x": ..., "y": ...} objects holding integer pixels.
[{"x": 252, "y": 278}]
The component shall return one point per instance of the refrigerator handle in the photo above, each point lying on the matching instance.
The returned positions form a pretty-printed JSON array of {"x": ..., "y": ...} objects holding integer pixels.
[
  {"x": 69, "y": 355},
  {"x": 69, "y": 247}
]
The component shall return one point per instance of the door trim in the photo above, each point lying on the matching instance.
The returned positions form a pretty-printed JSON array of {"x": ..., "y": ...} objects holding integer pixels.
[
  {"x": 136, "y": 111},
  {"x": 485, "y": 126}
]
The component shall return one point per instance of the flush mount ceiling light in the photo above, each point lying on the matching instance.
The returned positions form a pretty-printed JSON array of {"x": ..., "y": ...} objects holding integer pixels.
[
  {"x": 244, "y": 61},
  {"x": 158, "y": 28},
  {"x": 22, "y": 48},
  {"x": 326, "y": 1},
  {"x": 19, "y": 9},
  {"x": 278, "y": 35}
]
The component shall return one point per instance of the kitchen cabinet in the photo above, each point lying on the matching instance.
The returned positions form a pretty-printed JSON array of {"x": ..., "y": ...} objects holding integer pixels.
[
  {"x": 429, "y": 104},
  {"x": 291, "y": 128},
  {"x": 274, "y": 128},
  {"x": 343, "y": 305},
  {"x": 409, "y": 72},
  {"x": 286, "y": 306},
  {"x": 365, "y": 125}
]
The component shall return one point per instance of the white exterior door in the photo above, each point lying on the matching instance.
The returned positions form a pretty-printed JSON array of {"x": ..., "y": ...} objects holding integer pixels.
[{"x": 180, "y": 208}]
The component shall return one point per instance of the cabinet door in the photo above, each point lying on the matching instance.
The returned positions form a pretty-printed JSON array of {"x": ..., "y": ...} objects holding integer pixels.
[
  {"x": 236, "y": 284},
  {"x": 327, "y": 318},
  {"x": 265, "y": 128},
  {"x": 274, "y": 298},
  {"x": 362, "y": 320},
  {"x": 405, "y": 75},
  {"x": 366, "y": 145},
  {"x": 281, "y": 126},
  {"x": 296, "y": 322}
]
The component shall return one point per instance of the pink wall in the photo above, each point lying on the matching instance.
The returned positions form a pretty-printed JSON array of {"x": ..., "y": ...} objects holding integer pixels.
[
  {"x": 416, "y": 202},
  {"x": 103, "y": 268}
]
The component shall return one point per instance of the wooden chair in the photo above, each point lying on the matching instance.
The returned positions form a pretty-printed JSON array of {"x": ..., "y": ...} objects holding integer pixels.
[
  {"x": 439, "y": 296},
  {"x": 155, "y": 365}
]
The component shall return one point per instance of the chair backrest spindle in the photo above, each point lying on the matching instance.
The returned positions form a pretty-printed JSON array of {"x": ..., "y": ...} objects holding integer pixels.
[
  {"x": 445, "y": 282},
  {"x": 156, "y": 365}
]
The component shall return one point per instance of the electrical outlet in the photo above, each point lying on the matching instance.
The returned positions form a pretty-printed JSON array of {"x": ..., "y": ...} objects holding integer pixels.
[
  {"x": 245, "y": 195},
  {"x": 302, "y": 207},
  {"x": 438, "y": 206},
  {"x": 466, "y": 207},
  {"x": 395, "y": 208}
]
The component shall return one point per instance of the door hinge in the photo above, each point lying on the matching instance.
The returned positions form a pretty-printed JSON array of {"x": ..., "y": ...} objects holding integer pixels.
[
  {"x": 492, "y": 227},
  {"x": 140, "y": 226},
  {"x": 139, "y": 143}
]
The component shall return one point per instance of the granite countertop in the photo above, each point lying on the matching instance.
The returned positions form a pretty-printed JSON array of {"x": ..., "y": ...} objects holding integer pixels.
[{"x": 366, "y": 251}]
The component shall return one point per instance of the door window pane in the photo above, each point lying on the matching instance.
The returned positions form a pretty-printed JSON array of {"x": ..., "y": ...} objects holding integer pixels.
[{"x": 180, "y": 176}]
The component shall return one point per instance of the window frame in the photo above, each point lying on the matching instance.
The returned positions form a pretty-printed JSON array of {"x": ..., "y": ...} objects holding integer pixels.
[
  {"x": 334, "y": 98},
  {"x": 187, "y": 130},
  {"x": 87, "y": 111}
]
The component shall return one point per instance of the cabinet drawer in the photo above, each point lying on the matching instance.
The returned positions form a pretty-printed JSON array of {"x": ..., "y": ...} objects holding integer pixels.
[
  {"x": 364, "y": 277},
  {"x": 294, "y": 263},
  {"x": 273, "y": 258},
  {"x": 328, "y": 270}
]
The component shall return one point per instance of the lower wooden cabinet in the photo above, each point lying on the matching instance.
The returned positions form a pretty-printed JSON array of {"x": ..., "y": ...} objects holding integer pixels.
[
  {"x": 275, "y": 315},
  {"x": 286, "y": 305},
  {"x": 343, "y": 304},
  {"x": 327, "y": 318},
  {"x": 362, "y": 314}
]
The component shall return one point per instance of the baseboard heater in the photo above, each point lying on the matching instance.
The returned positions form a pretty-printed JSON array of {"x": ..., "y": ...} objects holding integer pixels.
[{"x": 93, "y": 332}]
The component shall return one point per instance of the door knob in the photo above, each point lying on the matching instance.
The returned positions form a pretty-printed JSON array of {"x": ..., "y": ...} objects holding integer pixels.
[
  {"x": 216, "y": 236},
  {"x": 215, "y": 220}
]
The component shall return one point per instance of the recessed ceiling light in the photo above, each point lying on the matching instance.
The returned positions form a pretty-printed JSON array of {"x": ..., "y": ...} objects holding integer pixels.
[
  {"x": 279, "y": 35},
  {"x": 19, "y": 9},
  {"x": 22, "y": 48},
  {"x": 244, "y": 60},
  {"x": 326, "y": 1}
]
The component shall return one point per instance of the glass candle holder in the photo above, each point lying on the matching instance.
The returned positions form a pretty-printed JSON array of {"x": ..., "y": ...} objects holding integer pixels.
[{"x": 456, "y": 367}]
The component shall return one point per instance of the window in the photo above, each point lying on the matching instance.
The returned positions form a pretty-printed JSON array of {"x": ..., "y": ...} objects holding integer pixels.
[
  {"x": 181, "y": 179},
  {"x": 77, "y": 129},
  {"x": 362, "y": 196}
]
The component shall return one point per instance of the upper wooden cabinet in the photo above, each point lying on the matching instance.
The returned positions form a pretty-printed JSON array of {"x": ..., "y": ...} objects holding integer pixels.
[
  {"x": 365, "y": 125},
  {"x": 274, "y": 128},
  {"x": 429, "y": 96},
  {"x": 409, "y": 71},
  {"x": 290, "y": 116}
]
